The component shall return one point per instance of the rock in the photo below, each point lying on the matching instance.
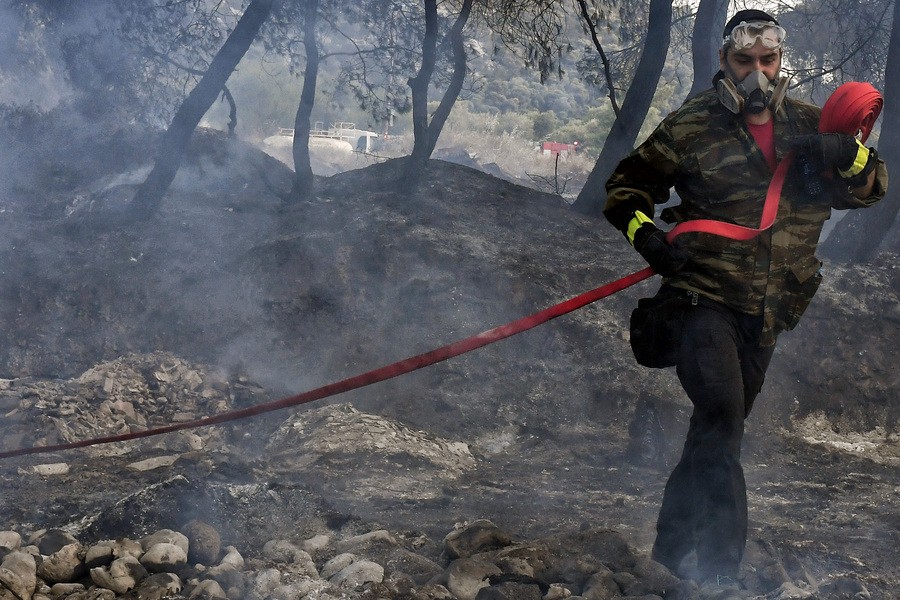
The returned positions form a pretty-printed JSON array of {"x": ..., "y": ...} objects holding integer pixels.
[
  {"x": 766, "y": 569},
  {"x": 366, "y": 542},
  {"x": 232, "y": 557},
  {"x": 63, "y": 566},
  {"x": 233, "y": 582},
  {"x": 63, "y": 590},
  {"x": 557, "y": 592},
  {"x": 315, "y": 544},
  {"x": 465, "y": 576},
  {"x": 235, "y": 586},
  {"x": 179, "y": 442},
  {"x": 18, "y": 573},
  {"x": 654, "y": 577},
  {"x": 266, "y": 581},
  {"x": 533, "y": 560},
  {"x": 208, "y": 589},
  {"x": 282, "y": 551},
  {"x": 337, "y": 563},
  {"x": 10, "y": 540},
  {"x": 51, "y": 541},
  {"x": 510, "y": 590},
  {"x": 844, "y": 588},
  {"x": 45, "y": 470},
  {"x": 231, "y": 562},
  {"x": 158, "y": 586},
  {"x": 358, "y": 573},
  {"x": 123, "y": 547},
  {"x": 166, "y": 536},
  {"x": 479, "y": 536},
  {"x": 419, "y": 568},
  {"x": 99, "y": 555},
  {"x": 394, "y": 585},
  {"x": 626, "y": 581},
  {"x": 156, "y": 462},
  {"x": 601, "y": 586},
  {"x": 516, "y": 566},
  {"x": 204, "y": 542},
  {"x": 122, "y": 575},
  {"x": 790, "y": 591},
  {"x": 434, "y": 591},
  {"x": 298, "y": 589},
  {"x": 577, "y": 556},
  {"x": 163, "y": 556},
  {"x": 373, "y": 448}
]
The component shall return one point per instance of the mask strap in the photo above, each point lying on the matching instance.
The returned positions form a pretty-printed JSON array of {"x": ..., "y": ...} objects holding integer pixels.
[{"x": 779, "y": 93}]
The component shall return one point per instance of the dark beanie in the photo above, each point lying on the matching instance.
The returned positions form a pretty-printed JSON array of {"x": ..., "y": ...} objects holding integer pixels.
[{"x": 746, "y": 15}]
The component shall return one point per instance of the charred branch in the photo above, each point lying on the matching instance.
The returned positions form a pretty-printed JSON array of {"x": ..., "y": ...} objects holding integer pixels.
[
  {"x": 175, "y": 140},
  {"x": 303, "y": 174}
]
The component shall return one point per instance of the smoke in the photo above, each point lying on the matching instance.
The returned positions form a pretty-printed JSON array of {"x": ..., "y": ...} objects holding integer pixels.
[
  {"x": 31, "y": 70},
  {"x": 37, "y": 43}
]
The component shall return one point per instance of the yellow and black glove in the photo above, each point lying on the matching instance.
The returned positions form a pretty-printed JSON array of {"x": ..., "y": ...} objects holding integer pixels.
[
  {"x": 650, "y": 242},
  {"x": 841, "y": 152}
]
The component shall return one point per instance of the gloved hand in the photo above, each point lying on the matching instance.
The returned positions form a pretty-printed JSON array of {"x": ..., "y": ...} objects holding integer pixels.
[
  {"x": 832, "y": 150},
  {"x": 662, "y": 257}
]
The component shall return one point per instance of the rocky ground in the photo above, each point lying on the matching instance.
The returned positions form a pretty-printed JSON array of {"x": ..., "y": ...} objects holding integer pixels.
[{"x": 232, "y": 296}]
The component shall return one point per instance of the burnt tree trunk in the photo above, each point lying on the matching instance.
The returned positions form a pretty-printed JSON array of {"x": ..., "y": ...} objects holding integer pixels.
[
  {"x": 635, "y": 106},
  {"x": 232, "y": 110},
  {"x": 456, "y": 81},
  {"x": 303, "y": 176},
  {"x": 857, "y": 237},
  {"x": 419, "y": 87},
  {"x": 175, "y": 140},
  {"x": 705, "y": 43}
]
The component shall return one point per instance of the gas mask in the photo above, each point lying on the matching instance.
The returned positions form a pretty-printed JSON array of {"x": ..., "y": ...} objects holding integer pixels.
[{"x": 754, "y": 94}]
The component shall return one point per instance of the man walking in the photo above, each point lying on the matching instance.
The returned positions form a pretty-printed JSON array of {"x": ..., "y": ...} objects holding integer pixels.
[{"x": 719, "y": 151}]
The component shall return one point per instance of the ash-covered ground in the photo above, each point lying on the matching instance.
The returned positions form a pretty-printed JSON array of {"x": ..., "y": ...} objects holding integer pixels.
[{"x": 232, "y": 296}]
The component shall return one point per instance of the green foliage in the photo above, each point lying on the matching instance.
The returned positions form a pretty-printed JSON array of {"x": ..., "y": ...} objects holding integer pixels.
[
  {"x": 505, "y": 82},
  {"x": 267, "y": 93},
  {"x": 507, "y": 98},
  {"x": 590, "y": 129},
  {"x": 506, "y": 139},
  {"x": 466, "y": 117},
  {"x": 544, "y": 123}
]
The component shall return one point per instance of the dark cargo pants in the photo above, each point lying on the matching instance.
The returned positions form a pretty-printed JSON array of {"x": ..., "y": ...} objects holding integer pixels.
[{"x": 704, "y": 507}]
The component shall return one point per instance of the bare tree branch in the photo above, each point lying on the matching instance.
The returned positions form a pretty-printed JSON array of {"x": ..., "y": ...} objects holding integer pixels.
[{"x": 606, "y": 68}]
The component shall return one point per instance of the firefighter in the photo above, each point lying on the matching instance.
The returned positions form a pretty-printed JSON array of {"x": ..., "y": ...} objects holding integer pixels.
[{"x": 719, "y": 152}]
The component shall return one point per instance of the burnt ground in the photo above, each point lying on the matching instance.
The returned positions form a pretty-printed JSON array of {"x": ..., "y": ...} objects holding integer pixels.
[{"x": 565, "y": 428}]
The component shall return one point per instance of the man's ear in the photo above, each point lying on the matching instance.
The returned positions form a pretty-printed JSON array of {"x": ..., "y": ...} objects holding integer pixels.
[{"x": 722, "y": 58}]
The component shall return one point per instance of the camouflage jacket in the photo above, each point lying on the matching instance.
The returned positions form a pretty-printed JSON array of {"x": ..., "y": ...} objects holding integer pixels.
[{"x": 707, "y": 154}]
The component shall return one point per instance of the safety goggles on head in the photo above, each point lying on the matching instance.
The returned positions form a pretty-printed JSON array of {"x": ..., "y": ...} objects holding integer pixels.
[{"x": 745, "y": 35}]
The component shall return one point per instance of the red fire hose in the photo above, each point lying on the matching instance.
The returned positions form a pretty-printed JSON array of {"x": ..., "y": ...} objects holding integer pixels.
[
  {"x": 387, "y": 372},
  {"x": 852, "y": 108}
]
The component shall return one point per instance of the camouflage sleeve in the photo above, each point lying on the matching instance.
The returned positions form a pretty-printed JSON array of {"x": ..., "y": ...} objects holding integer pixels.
[{"x": 642, "y": 179}]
